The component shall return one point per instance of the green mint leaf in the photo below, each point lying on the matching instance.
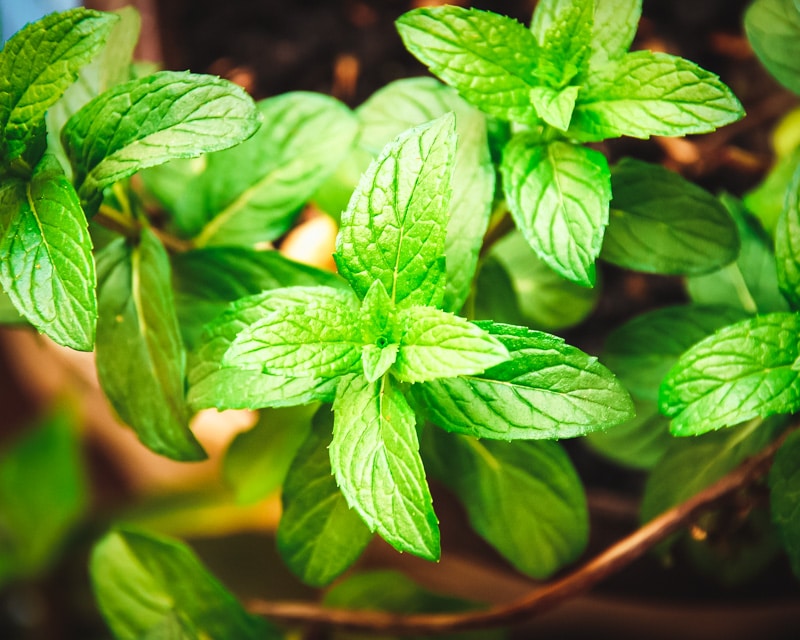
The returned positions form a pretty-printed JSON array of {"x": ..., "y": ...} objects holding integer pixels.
[
  {"x": 613, "y": 31},
  {"x": 773, "y": 29},
  {"x": 257, "y": 460},
  {"x": 784, "y": 484},
  {"x": 558, "y": 194},
  {"x": 319, "y": 536},
  {"x": 766, "y": 201},
  {"x": 436, "y": 344},
  {"x": 643, "y": 350},
  {"x": 253, "y": 192},
  {"x": 148, "y": 121},
  {"x": 477, "y": 53},
  {"x": 787, "y": 243},
  {"x": 317, "y": 336},
  {"x": 647, "y": 94},
  {"x": 212, "y": 384},
  {"x": 395, "y": 225},
  {"x": 751, "y": 283},
  {"x": 37, "y": 65},
  {"x": 564, "y": 45},
  {"x": 375, "y": 458},
  {"x": 141, "y": 581},
  {"x": 743, "y": 371},
  {"x": 413, "y": 101},
  {"x": 43, "y": 493},
  {"x": 547, "y": 390},
  {"x": 141, "y": 361},
  {"x": 206, "y": 281},
  {"x": 662, "y": 223},
  {"x": 555, "y": 106},
  {"x": 524, "y": 498},
  {"x": 48, "y": 270},
  {"x": 379, "y": 332}
]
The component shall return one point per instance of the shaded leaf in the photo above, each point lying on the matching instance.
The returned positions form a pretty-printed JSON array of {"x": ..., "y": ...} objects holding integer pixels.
[
  {"x": 784, "y": 484},
  {"x": 787, "y": 243},
  {"x": 773, "y": 29}
]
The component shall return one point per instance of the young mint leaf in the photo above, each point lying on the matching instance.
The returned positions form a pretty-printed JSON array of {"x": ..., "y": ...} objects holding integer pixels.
[
  {"x": 647, "y": 94},
  {"x": 214, "y": 385},
  {"x": 784, "y": 484},
  {"x": 37, "y": 65},
  {"x": 488, "y": 58},
  {"x": 253, "y": 192},
  {"x": 547, "y": 390},
  {"x": 523, "y": 498},
  {"x": 558, "y": 194},
  {"x": 375, "y": 458},
  {"x": 565, "y": 44},
  {"x": 48, "y": 270},
  {"x": 555, "y": 106},
  {"x": 395, "y": 225},
  {"x": 787, "y": 243},
  {"x": 643, "y": 350},
  {"x": 413, "y": 101},
  {"x": 662, "y": 223},
  {"x": 613, "y": 31},
  {"x": 141, "y": 581},
  {"x": 745, "y": 370},
  {"x": 319, "y": 536},
  {"x": 148, "y": 121},
  {"x": 379, "y": 332},
  {"x": 773, "y": 29},
  {"x": 141, "y": 361},
  {"x": 318, "y": 335},
  {"x": 437, "y": 344}
]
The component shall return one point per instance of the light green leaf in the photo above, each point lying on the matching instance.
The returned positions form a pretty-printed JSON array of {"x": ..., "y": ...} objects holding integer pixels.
[
  {"x": 436, "y": 344},
  {"x": 555, "y": 106},
  {"x": 784, "y": 484},
  {"x": 773, "y": 29},
  {"x": 375, "y": 458},
  {"x": 558, "y": 194},
  {"x": 613, "y": 31},
  {"x": 547, "y": 390},
  {"x": 410, "y": 102},
  {"x": 148, "y": 121},
  {"x": 257, "y": 460},
  {"x": 488, "y": 58},
  {"x": 647, "y": 94},
  {"x": 395, "y": 225},
  {"x": 47, "y": 268},
  {"x": 743, "y": 371},
  {"x": 751, "y": 283},
  {"x": 767, "y": 199},
  {"x": 37, "y": 65},
  {"x": 662, "y": 223},
  {"x": 643, "y": 350},
  {"x": 253, "y": 192},
  {"x": 564, "y": 44},
  {"x": 212, "y": 384},
  {"x": 43, "y": 493},
  {"x": 316, "y": 336},
  {"x": 523, "y": 498},
  {"x": 787, "y": 243},
  {"x": 141, "y": 361},
  {"x": 379, "y": 331},
  {"x": 141, "y": 580},
  {"x": 319, "y": 536}
]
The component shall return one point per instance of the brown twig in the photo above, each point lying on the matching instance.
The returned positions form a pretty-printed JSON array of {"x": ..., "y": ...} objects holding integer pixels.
[{"x": 543, "y": 598}]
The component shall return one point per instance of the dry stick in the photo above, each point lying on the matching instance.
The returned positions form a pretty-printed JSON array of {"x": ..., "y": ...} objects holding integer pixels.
[{"x": 543, "y": 598}]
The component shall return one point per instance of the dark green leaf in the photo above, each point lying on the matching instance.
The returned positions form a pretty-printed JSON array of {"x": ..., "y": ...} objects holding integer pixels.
[
  {"x": 488, "y": 58},
  {"x": 375, "y": 458},
  {"x": 319, "y": 536},
  {"x": 784, "y": 483},
  {"x": 547, "y": 390},
  {"x": 43, "y": 492},
  {"x": 773, "y": 29},
  {"x": 524, "y": 498},
  {"x": 253, "y": 192},
  {"x": 38, "y": 64},
  {"x": 495, "y": 297},
  {"x": 141, "y": 361},
  {"x": 148, "y": 121},
  {"x": 745, "y": 370},
  {"x": 662, "y": 223},
  {"x": 787, "y": 243},
  {"x": 558, "y": 194},
  {"x": 173, "y": 185},
  {"x": 47, "y": 268},
  {"x": 395, "y": 225},
  {"x": 647, "y": 94},
  {"x": 142, "y": 580}
]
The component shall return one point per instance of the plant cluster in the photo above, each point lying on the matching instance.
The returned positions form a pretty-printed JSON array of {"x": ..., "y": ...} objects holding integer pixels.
[{"x": 137, "y": 212}]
